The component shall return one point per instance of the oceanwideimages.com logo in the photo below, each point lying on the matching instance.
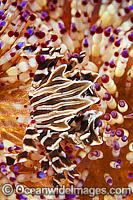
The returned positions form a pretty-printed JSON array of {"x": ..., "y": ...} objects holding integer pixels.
[{"x": 7, "y": 189}]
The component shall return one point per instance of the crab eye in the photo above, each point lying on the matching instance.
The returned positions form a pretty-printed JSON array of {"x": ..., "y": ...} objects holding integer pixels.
[{"x": 87, "y": 141}]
